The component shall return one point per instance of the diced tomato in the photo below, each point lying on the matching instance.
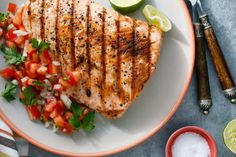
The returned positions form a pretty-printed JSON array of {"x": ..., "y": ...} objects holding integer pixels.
[
  {"x": 18, "y": 76},
  {"x": 73, "y": 77},
  {"x": 10, "y": 35},
  {"x": 17, "y": 20},
  {"x": 68, "y": 115},
  {"x": 45, "y": 57},
  {"x": 31, "y": 70},
  {"x": 31, "y": 75},
  {"x": 33, "y": 56},
  {"x": 8, "y": 73},
  {"x": 21, "y": 27},
  {"x": 57, "y": 111},
  {"x": 42, "y": 70},
  {"x": 30, "y": 49},
  {"x": 27, "y": 64},
  {"x": 12, "y": 7},
  {"x": 51, "y": 104},
  {"x": 29, "y": 82},
  {"x": 46, "y": 115},
  {"x": 33, "y": 112},
  {"x": 1, "y": 32},
  {"x": 33, "y": 67},
  {"x": 52, "y": 69},
  {"x": 64, "y": 83},
  {"x": 59, "y": 121},
  {"x": 60, "y": 104},
  {"x": 68, "y": 129},
  {"x": 10, "y": 44},
  {"x": 20, "y": 40},
  {"x": 4, "y": 23}
]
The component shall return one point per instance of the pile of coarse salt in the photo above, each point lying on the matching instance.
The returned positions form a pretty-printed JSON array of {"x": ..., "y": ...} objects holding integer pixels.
[{"x": 190, "y": 144}]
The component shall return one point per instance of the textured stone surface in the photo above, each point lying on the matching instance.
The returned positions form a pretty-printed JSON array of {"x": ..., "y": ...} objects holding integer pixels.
[{"x": 223, "y": 18}]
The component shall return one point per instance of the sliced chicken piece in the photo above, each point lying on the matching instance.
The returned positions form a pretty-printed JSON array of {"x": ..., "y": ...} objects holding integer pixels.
[
  {"x": 36, "y": 12},
  {"x": 64, "y": 35},
  {"x": 81, "y": 92},
  {"x": 126, "y": 50},
  {"x": 141, "y": 56},
  {"x": 110, "y": 89},
  {"x": 95, "y": 39},
  {"x": 50, "y": 21},
  {"x": 156, "y": 37}
]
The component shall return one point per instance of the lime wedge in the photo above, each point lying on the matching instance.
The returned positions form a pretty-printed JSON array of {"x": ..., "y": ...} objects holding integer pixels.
[
  {"x": 126, "y": 6},
  {"x": 157, "y": 18},
  {"x": 230, "y": 135}
]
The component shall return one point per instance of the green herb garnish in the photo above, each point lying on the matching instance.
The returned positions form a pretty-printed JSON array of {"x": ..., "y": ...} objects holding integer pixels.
[
  {"x": 3, "y": 16},
  {"x": 11, "y": 55},
  {"x": 39, "y": 83},
  {"x": 29, "y": 96},
  {"x": 9, "y": 91},
  {"x": 41, "y": 46},
  {"x": 88, "y": 121}
]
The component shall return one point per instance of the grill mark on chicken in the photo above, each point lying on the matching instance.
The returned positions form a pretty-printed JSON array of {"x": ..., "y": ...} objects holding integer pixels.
[
  {"x": 73, "y": 36},
  {"x": 42, "y": 20},
  {"x": 141, "y": 57},
  {"x": 50, "y": 21},
  {"x": 88, "y": 90},
  {"x": 64, "y": 35},
  {"x": 36, "y": 15},
  {"x": 96, "y": 54},
  {"x": 110, "y": 91},
  {"x": 80, "y": 29},
  {"x": 126, "y": 58},
  {"x": 149, "y": 52},
  {"x": 103, "y": 96}
]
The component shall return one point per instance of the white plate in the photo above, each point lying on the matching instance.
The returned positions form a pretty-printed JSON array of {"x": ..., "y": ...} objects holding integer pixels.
[{"x": 158, "y": 102}]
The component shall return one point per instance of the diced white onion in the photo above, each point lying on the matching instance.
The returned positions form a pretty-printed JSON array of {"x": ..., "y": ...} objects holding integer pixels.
[
  {"x": 15, "y": 82},
  {"x": 57, "y": 86},
  {"x": 48, "y": 76},
  {"x": 54, "y": 128},
  {"x": 56, "y": 63},
  {"x": 24, "y": 79},
  {"x": 47, "y": 83},
  {"x": 66, "y": 100},
  {"x": 23, "y": 88},
  {"x": 10, "y": 26},
  {"x": 47, "y": 124},
  {"x": 25, "y": 54},
  {"x": 20, "y": 33}
]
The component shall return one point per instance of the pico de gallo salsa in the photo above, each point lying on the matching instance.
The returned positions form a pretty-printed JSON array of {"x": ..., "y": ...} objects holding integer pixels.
[{"x": 35, "y": 73}]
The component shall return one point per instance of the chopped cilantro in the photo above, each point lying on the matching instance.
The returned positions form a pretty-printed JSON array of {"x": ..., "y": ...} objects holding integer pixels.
[
  {"x": 9, "y": 91},
  {"x": 29, "y": 96},
  {"x": 88, "y": 121},
  {"x": 12, "y": 56},
  {"x": 38, "y": 83},
  {"x": 41, "y": 46},
  {"x": 3, "y": 16}
]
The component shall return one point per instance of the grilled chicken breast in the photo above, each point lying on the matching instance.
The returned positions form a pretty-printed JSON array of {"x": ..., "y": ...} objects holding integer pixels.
[{"x": 116, "y": 54}]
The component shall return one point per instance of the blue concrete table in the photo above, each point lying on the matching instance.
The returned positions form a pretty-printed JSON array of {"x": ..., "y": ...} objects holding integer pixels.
[{"x": 223, "y": 16}]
